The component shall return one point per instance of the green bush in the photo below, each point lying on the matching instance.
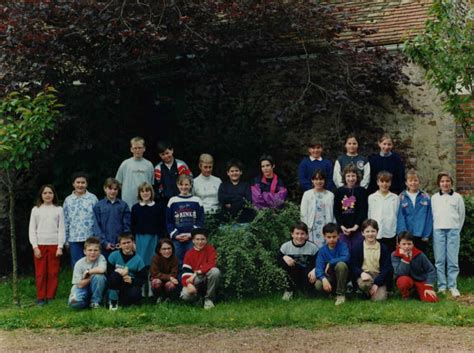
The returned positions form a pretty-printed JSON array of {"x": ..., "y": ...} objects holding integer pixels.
[
  {"x": 466, "y": 251},
  {"x": 247, "y": 254}
]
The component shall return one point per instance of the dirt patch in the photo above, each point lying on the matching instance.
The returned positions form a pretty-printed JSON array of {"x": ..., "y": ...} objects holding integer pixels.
[
  {"x": 365, "y": 338},
  {"x": 467, "y": 299}
]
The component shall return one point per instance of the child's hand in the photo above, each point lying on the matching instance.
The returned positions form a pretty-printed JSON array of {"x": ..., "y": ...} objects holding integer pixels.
[
  {"x": 110, "y": 247},
  {"x": 365, "y": 276},
  {"x": 155, "y": 283},
  {"x": 345, "y": 230},
  {"x": 425, "y": 239},
  {"x": 127, "y": 279},
  {"x": 430, "y": 293},
  {"x": 289, "y": 261},
  {"x": 227, "y": 205},
  {"x": 326, "y": 285},
  {"x": 373, "y": 289},
  {"x": 86, "y": 274},
  {"x": 312, "y": 276},
  {"x": 59, "y": 252},
  {"x": 173, "y": 280},
  {"x": 191, "y": 288},
  {"x": 37, "y": 253},
  {"x": 326, "y": 270},
  {"x": 190, "y": 279}
]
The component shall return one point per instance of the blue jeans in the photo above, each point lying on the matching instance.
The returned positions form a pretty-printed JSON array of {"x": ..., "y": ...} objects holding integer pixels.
[
  {"x": 446, "y": 252},
  {"x": 81, "y": 297},
  {"x": 180, "y": 250},
  {"x": 76, "y": 249}
]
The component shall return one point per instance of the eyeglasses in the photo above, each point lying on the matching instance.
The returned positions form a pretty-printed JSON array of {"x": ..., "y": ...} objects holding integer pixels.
[{"x": 166, "y": 249}]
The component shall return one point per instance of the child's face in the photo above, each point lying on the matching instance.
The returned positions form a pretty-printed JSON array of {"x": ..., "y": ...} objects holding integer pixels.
[
  {"x": 386, "y": 146},
  {"x": 351, "y": 179},
  {"x": 267, "y": 169},
  {"x": 406, "y": 245},
  {"x": 166, "y": 251},
  {"x": 352, "y": 145},
  {"x": 92, "y": 252},
  {"x": 145, "y": 195},
  {"x": 299, "y": 236},
  {"x": 318, "y": 183},
  {"x": 184, "y": 187},
  {"x": 413, "y": 184},
  {"x": 199, "y": 241},
  {"x": 127, "y": 245},
  {"x": 206, "y": 169},
  {"x": 47, "y": 195},
  {"x": 315, "y": 151},
  {"x": 331, "y": 238},
  {"x": 384, "y": 185},
  {"x": 111, "y": 192},
  {"x": 445, "y": 184},
  {"x": 137, "y": 150},
  {"x": 80, "y": 185},
  {"x": 234, "y": 174},
  {"x": 167, "y": 156},
  {"x": 370, "y": 234}
]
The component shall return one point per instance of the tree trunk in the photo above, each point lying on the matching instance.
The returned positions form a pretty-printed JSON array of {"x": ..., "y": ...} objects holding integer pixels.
[{"x": 11, "y": 216}]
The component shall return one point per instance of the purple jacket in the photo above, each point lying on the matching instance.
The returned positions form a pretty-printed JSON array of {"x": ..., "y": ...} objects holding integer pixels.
[{"x": 268, "y": 193}]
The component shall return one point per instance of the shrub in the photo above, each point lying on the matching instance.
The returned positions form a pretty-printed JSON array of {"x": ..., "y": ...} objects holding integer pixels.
[
  {"x": 466, "y": 251},
  {"x": 247, "y": 254}
]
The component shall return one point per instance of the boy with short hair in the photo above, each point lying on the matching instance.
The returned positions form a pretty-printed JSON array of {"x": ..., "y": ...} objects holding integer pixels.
[
  {"x": 88, "y": 277},
  {"x": 135, "y": 171},
  {"x": 297, "y": 258},
  {"x": 413, "y": 269},
  {"x": 200, "y": 274},
  {"x": 383, "y": 208},
  {"x": 126, "y": 274},
  {"x": 414, "y": 213},
  {"x": 79, "y": 217},
  {"x": 235, "y": 195},
  {"x": 112, "y": 217},
  {"x": 314, "y": 162},
  {"x": 332, "y": 269}
]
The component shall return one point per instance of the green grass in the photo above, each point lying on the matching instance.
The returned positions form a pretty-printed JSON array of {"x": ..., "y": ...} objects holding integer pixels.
[{"x": 267, "y": 312}]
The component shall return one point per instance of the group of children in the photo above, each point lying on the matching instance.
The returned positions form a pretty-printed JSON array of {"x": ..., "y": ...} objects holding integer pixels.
[{"x": 112, "y": 242}]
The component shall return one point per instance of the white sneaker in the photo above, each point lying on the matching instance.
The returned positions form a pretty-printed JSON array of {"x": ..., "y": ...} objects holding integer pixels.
[
  {"x": 94, "y": 305},
  {"x": 208, "y": 304},
  {"x": 113, "y": 306},
  {"x": 441, "y": 290},
  {"x": 287, "y": 295},
  {"x": 454, "y": 292},
  {"x": 340, "y": 299}
]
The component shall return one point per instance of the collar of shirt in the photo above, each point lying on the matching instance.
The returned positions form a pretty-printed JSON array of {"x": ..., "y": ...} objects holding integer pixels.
[
  {"x": 314, "y": 159},
  {"x": 385, "y": 154},
  {"x": 450, "y": 193},
  {"x": 147, "y": 204}
]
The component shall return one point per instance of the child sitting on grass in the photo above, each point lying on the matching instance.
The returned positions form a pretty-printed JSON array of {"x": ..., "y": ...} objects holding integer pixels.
[
  {"x": 200, "y": 274},
  {"x": 88, "y": 278},
  {"x": 332, "y": 269},
  {"x": 413, "y": 269},
  {"x": 297, "y": 258}
]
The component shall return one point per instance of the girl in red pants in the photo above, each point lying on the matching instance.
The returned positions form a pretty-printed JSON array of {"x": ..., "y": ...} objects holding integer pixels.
[{"x": 47, "y": 238}]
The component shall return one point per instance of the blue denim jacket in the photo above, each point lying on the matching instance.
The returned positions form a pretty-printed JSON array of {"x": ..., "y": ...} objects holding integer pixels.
[{"x": 417, "y": 219}]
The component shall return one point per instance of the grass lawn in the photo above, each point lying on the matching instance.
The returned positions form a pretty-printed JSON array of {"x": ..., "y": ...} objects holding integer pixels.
[{"x": 267, "y": 312}]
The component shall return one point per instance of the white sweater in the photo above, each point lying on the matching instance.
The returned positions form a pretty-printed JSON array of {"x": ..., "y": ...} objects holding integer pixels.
[
  {"x": 448, "y": 210},
  {"x": 206, "y": 189},
  {"x": 47, "y": 226},
  {"x": 384, "y": 209}
]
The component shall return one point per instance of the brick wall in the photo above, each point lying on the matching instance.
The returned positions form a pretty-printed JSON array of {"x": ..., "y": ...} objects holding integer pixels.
[{"x": 464, "y": 163}]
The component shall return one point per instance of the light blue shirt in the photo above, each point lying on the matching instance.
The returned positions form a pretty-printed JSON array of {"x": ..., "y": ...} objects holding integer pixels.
[{"x": 79, "y": 216}]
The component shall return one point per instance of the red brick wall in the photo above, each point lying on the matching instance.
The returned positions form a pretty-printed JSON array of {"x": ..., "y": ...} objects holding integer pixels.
[{"x": 464, "y": 163}]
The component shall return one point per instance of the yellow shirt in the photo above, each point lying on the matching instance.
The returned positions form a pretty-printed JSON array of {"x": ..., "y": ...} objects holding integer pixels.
[{"x": 371, "y": 261}]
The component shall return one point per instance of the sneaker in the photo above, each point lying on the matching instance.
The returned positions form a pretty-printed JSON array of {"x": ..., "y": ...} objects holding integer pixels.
[
  {"x": 159, "y": 300},
  {"x": 441, "y": 290},
  {"x": 113, "y": 305},
  {"x": 208, "y": 304},
  {"x": 287, "y": 295},
  {"x": 340, "y": 299},
  {"x": 41, "y": 302},
  {"x": 454, "y": 292},
  {"x": 94, "y": 306}
]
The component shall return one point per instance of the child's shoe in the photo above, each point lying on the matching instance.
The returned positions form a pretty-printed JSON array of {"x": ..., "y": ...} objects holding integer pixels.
[
  {"x": 41, "y": 302},
  {"x": 287, "y": 295},
  {"x": 340, "y": 299},
  {"x": 208, "y": 304},
  {"x": 454, "y": 292},
  {"x": 94, "y": 306},
  {"x": 159, "y": 300},
  {"x": 113, "y": 305},
  {"x": 442, "y": 290}
]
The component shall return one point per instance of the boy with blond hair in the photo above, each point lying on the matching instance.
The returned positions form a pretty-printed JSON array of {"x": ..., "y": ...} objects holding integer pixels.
[{"x": 135, "y": 171}]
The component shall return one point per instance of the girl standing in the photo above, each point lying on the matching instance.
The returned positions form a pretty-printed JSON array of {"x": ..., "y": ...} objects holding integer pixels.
[
  {"x": 352, "y": 157},
  {"x": 47, "y": 238},
  {"x": 448, "y": 218},
  {"x": 268, "y": 191},
  {"x": 317, "y": 208}
]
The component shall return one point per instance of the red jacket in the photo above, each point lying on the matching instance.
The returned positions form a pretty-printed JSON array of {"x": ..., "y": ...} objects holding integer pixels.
[{"x": 195, "y": 260}]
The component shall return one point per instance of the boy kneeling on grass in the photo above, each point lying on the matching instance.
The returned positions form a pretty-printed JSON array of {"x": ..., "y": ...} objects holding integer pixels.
[
  {"x": 332, "y": 270},
  {"x": 297, "y": 258},
  {"x": 200, "y": 274},
  {"x": 413, "y": 269},
  {"x": 88, "y": 277},
  {"x": 126, "y": 274}
]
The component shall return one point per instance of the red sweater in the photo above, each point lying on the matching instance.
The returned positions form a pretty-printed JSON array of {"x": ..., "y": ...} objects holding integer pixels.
[{"x": 195, "y": 260}]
